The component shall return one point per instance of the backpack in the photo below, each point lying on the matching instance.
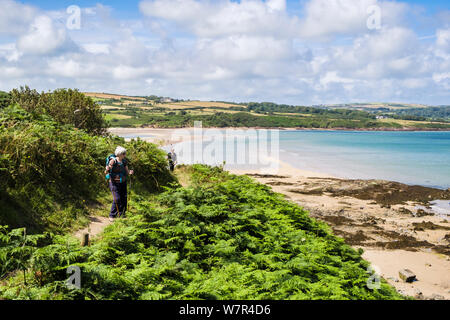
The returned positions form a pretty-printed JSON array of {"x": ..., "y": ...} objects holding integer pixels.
[{"x": 117, "y": 169}]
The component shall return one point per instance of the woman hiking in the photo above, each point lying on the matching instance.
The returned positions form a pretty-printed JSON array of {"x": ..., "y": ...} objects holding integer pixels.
[{"x": 117, "y": 172}]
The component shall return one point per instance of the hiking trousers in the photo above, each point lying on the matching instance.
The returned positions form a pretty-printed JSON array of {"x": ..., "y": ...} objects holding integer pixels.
[{"x": 119, "y": 191}]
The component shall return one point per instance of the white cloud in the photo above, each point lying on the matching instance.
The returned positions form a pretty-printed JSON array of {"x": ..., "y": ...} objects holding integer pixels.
[
  {"x": 414, "y": 83},
  {"x": 43, "y": 37},
  {"x": 97, "y": 48},
  {"x": 64, "y": 67},
  {"x": 241, "y": 48},
  {"x": 389, "y": 42},
  {"x": 124, "y": 72},
  {"x": 131, "y": 51},
  {"x": 9, "y": 52},
  {"x": 390, "y": 53},
  {"x": 276, "y": 5},
  {"x": 222, "y": 18},
  {"x": 442, "y": 79},
  {"x": 228, "y": 50},
  {"x": 13, "y": 72},
  {"x": 443, "y": 38},
  {"x": 324, "y": 18},
  {"x": 333, "y": 77},
  {"x": 15, "y": 17}
]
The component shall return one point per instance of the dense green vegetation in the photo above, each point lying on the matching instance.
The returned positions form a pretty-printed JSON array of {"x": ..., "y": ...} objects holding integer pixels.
[
  {"x": 269, "y": 107},
  {"x": 244, "y": 119},
  {"x": 222, "y": 237},
  {"x": 5, "y": 99},
  {"x": 431, "y": 113},
  {"x": 50, "y": 174},
  {"x": 66, "y": 106}
]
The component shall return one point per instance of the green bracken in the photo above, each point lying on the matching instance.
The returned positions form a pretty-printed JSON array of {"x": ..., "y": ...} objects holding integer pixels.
[{"x": 223, "y": 237}]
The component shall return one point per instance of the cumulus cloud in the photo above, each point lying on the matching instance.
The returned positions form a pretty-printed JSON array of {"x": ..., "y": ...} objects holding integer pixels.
[
  {"x": 43, "y": 37},
  {"x": 443, "y": 38},
  {"x": 241, "y": 48},
  {"x": 324, "y": 18},
  {"x": 15, "y": 17},
  {"x": 221, "y": 18},
  {"x": 96, "y": 48},
  {"x": 227, "y": 50}
]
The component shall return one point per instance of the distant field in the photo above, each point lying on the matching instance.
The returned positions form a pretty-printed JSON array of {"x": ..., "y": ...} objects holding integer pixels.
[
  {"x": 126, "y": 111},
  {"x": 209, "y": 104},
  {"x": 129, "y": 102},
  {"x": 112, "y": 108},
  {"x": 369, "y": 106},
  {"x": 407, "y": 123},
  {"x": 193, "y": 104},
  {"x": 111, "y": 96},
  {"x": 117, "y": 116}
]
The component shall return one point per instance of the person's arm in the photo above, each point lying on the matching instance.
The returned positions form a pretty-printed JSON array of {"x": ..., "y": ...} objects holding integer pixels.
[
  {"x": 109, "y": 166},
  {"x": 174, "y": 158},
  {"x": 129, "y": 172}
]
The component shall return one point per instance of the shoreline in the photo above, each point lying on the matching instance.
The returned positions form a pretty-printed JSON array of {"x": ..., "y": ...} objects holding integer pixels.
[
  {"x": 164, "y": 137},
  {"x": 294, "y": 129},
  {"x": 393, "y": 234}
]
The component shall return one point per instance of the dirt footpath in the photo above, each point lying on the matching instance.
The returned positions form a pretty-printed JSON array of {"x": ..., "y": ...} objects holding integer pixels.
[{"x": 96, "y": 226}]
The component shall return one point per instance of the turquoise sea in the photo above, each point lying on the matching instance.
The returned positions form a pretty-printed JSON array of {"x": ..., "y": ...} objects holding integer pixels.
[
  {"x": 418, "y": 157},
  {"x": 421, "y": 158}
]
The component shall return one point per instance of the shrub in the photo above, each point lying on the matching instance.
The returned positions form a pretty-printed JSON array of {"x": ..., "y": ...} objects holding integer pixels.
[
  {"x": 66, "y": 106},
  {"x": 49, "y": 173},
  {"x": 5, "y": 99}
]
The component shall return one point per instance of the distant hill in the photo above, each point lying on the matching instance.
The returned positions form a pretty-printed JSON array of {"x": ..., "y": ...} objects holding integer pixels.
[
  {"x": 165, "y": 112},
  {"x": 111, "y": 96},
  {"x": 374, "y": 106},
  {"x": 181, "y": 104},
  {"x": 117, "y": 100}
]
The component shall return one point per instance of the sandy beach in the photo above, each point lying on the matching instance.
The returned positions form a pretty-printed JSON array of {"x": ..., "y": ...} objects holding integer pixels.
[
  {"x": 386, "y": 219},
  {"x": 394, "y": 236}
]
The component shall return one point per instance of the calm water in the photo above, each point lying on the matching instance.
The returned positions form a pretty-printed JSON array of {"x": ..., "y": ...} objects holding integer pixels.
[
  {"x": 410, "y": 157},
  {"x": 421, "y": 158}
]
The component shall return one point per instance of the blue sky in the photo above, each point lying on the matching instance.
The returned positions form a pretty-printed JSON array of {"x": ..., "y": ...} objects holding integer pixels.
[{"x": 296, "y": 51}]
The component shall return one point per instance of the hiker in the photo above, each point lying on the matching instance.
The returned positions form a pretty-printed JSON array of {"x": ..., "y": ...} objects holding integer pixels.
[
  {"x": 117, "y": 172},
  {"x": 174, "y": 157},
  {"x": 171, "y": 162}
]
